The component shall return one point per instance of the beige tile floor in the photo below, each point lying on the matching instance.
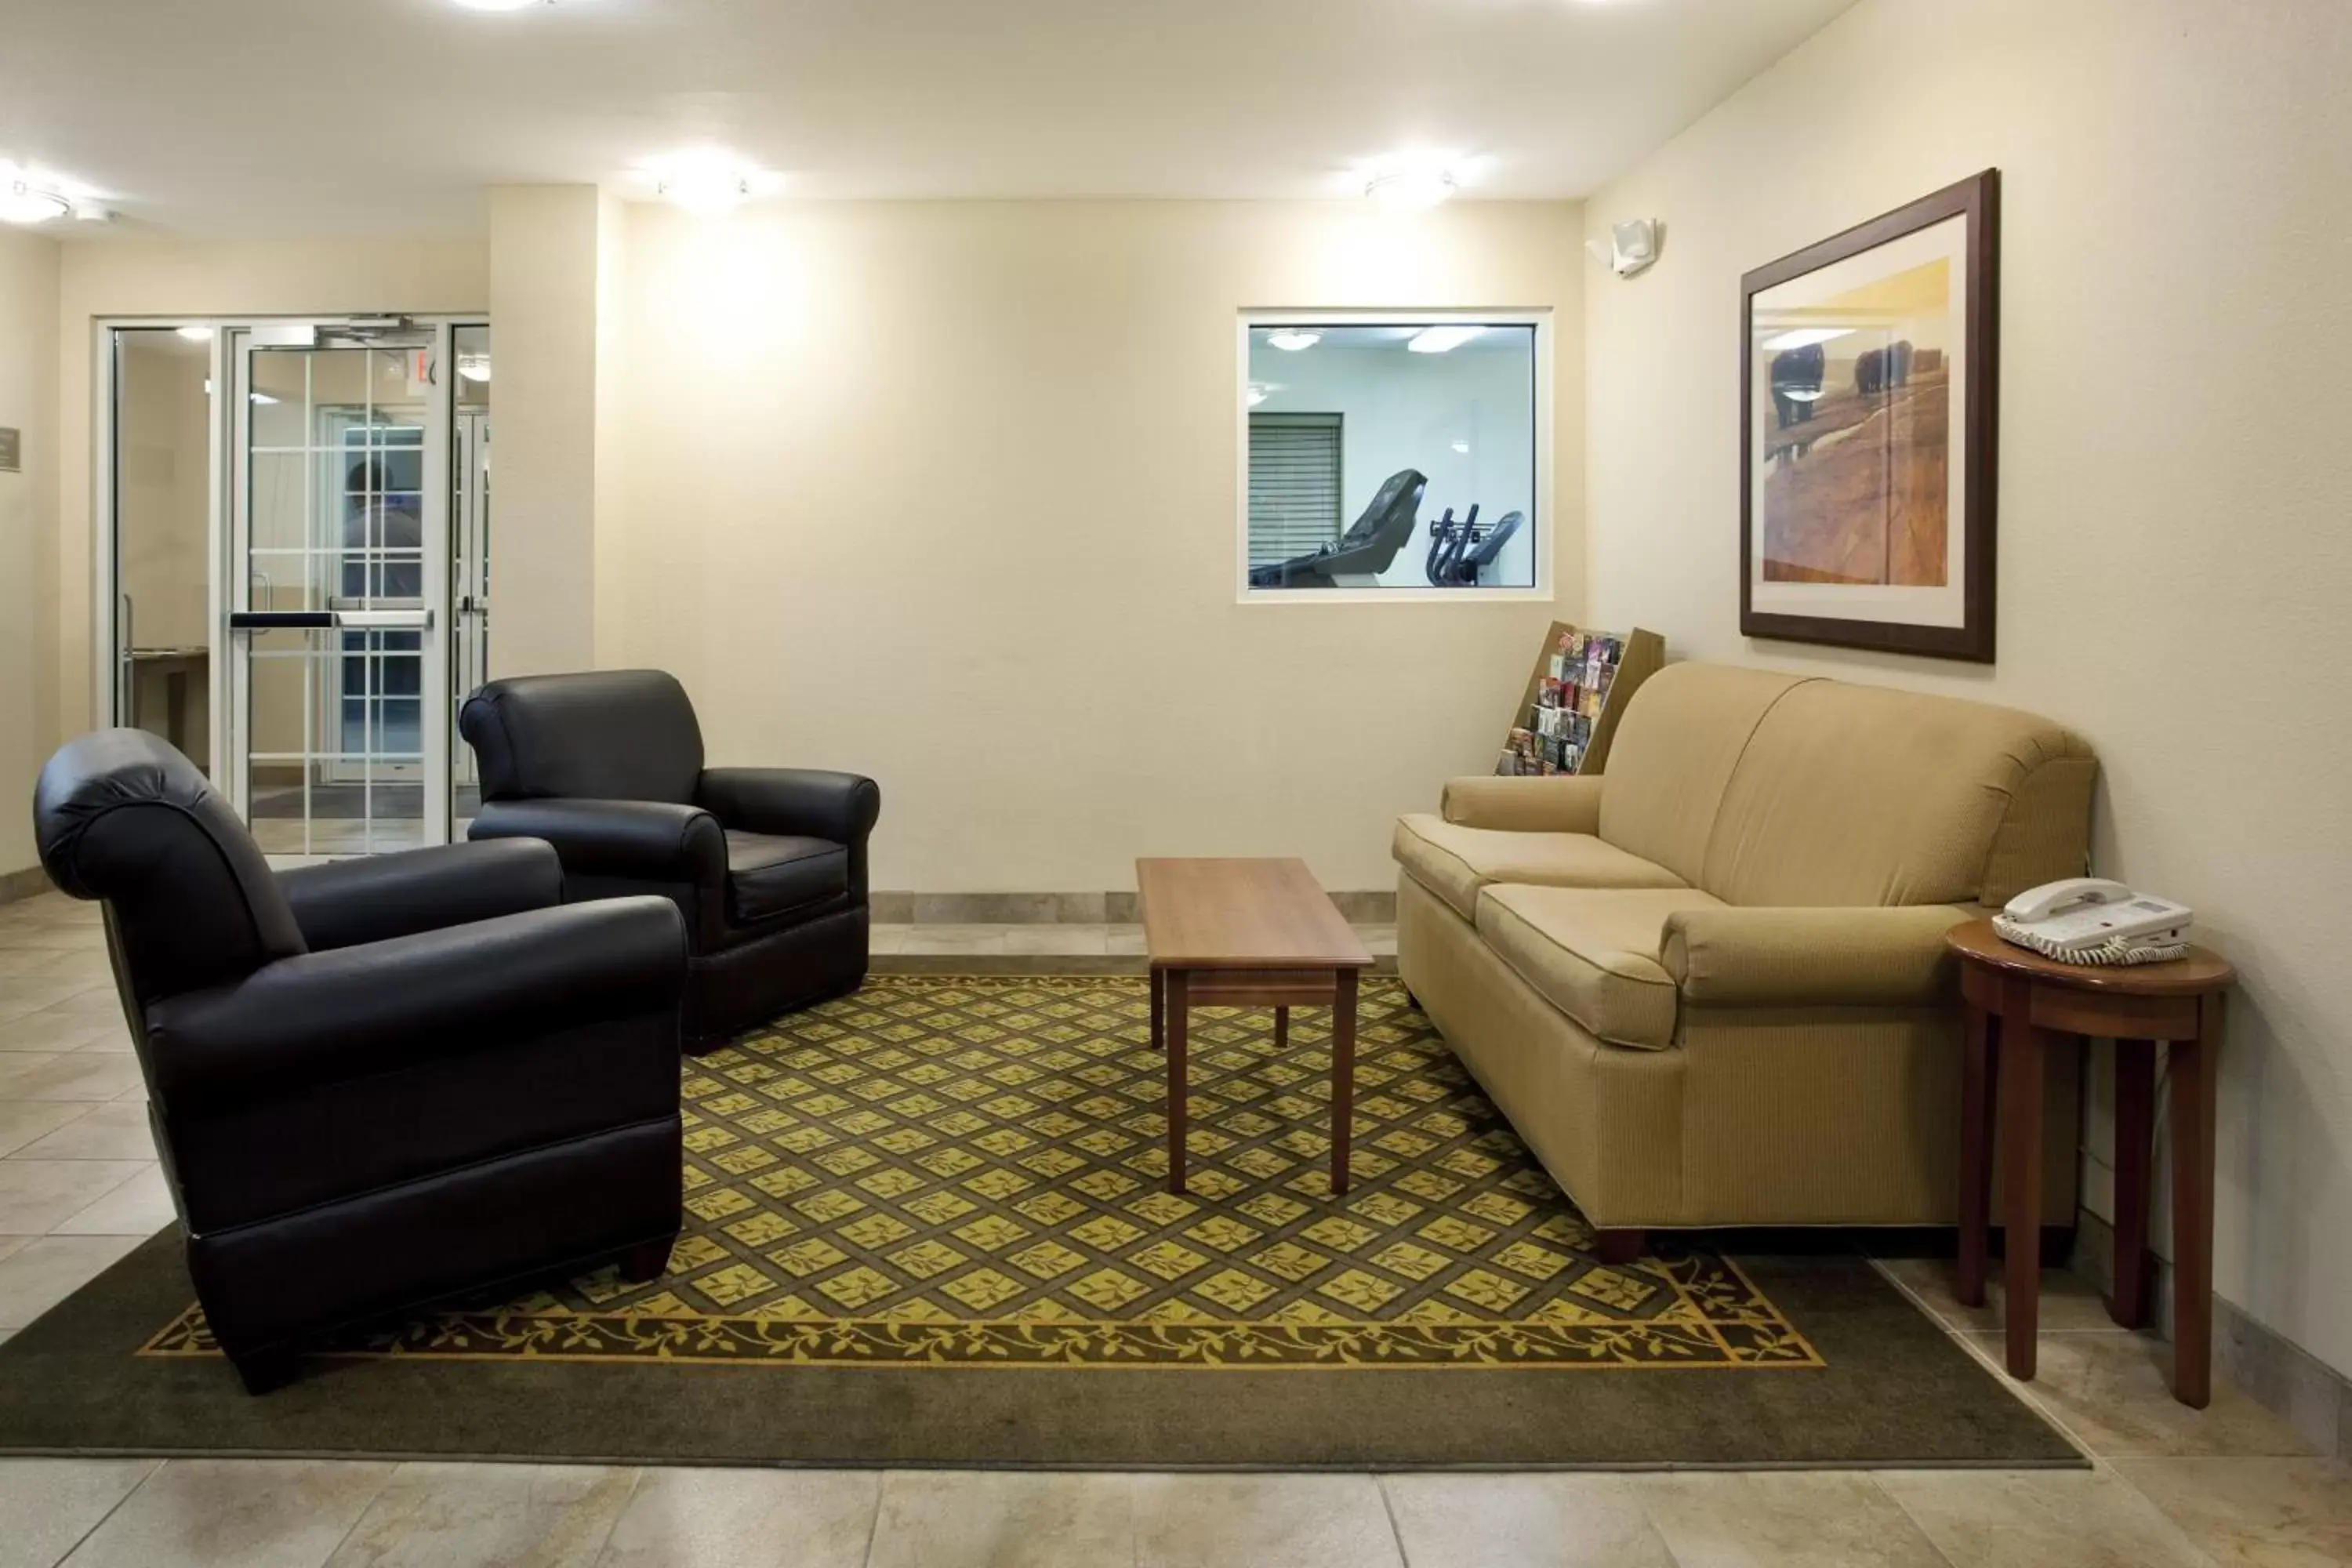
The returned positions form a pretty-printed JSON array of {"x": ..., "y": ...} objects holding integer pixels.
[{"x": 2227, "y": 1487}]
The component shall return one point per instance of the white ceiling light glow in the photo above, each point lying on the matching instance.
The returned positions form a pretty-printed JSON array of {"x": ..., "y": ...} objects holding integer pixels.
[
  {"x": 1805, "y": 338},
  {"x": 1441, "y": 340},
  {"x": 500, "y": 5},
  {"x": 35, "y": 196},
  {"x": 707, "y": 180},
  {"x": 195, "y": 334},
  {"x": 474, "y": 367},
  {"x": 21, "y": 201},
  {"x": 1290, "y": 340},
  {"x": 1409, "y": 190}
]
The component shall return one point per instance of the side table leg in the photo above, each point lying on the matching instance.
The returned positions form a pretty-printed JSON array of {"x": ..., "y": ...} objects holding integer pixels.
[
  {"x": 2192, "y": 1208},
  {"x": 2134, "y": 1131},
  {"x": 2021, "y": 1177},
  {"x": 1179, "y": 1006},
  {"x": 1343, "y": 1077},
  {"x": 1979, "y": 1075},
  {"x": 1282, "y": 1028},
  {"x": 1158, "y": 1010}
]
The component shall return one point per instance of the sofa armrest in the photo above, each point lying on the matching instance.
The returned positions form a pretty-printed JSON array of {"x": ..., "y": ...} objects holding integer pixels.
[
  {"x": 344, "y": 903},
  {"x": 810, "y": 803},
  {"x": 652, "y": 840},
  {"x": 1565, "y": 804},
  {"x": 326, "y": 1017},
  {"x": 1780, "y": 957}
]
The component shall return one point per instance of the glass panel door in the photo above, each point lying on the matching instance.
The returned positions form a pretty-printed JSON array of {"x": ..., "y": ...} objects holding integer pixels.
[
  {"x": 469, "y": 558},
  {"x": 339, "y": 539}
]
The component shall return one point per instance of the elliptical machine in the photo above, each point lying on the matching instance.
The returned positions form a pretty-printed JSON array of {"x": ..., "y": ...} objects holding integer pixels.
[{"x": 1457, "y": 550}]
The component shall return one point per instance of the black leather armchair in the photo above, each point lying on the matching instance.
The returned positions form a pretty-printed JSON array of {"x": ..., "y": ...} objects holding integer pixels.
[
  {"x": 380, "y": 1082},
  {"x": 768, "y": 864}
]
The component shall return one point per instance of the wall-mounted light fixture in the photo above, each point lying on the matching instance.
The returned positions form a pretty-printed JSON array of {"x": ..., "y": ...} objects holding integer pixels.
[{"x": 1633, "y": 246}]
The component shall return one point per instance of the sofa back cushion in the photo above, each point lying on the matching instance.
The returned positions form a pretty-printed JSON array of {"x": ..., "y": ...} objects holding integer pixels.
[
  {"x": 1676, "y": 750},
  {"x": 1860, "y": 795}
]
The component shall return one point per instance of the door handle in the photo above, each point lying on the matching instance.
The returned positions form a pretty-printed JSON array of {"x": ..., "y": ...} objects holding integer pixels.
[{"x": 329, "y": 620}]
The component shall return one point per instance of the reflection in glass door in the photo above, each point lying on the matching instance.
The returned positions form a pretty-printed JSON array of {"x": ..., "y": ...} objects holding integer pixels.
[{"x": 340, "y": 540}]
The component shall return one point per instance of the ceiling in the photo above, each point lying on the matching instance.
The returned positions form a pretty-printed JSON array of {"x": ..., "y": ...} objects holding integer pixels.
[{"x": 269, "y": 117}]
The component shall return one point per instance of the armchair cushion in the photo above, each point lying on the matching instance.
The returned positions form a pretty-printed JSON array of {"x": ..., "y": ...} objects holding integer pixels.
[
  {"x": 654, "y": 840},
  {"x": 792, "y": 802},
  {"x": 769, "y": 874},
  {"x": 1454, "y": 861},
  {"x": 1892, "y": 956},
  {"x": 323, "y": 1017},
  {"x": 345, "y": 903},
  {"x": 1570, "y": 804},
  {"x": 1593, "y": 953}
]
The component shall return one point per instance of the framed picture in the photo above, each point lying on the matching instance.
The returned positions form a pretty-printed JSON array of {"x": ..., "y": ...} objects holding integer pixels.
[{"x": 1867, "y": 414}]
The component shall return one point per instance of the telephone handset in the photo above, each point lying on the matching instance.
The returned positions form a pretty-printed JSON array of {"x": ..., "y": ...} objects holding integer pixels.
[{"x": 2090, "y": 920}]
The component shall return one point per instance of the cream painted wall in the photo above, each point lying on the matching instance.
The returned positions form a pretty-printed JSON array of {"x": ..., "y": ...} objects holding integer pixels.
[
  {"x": 28, "y": 508},
  {"x": 111, "y": 276},
  {"x": 551, "y": 277},
  {"x": 2174, "y": 469},
  {"x": 946, "y": 493}
]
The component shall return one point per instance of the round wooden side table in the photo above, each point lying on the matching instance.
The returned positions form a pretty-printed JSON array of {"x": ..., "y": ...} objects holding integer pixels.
[{"x": 2015, "y": 1000}]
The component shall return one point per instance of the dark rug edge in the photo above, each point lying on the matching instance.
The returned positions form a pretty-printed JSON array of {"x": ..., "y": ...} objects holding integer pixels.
[{"x": 1900, "y": 1392}]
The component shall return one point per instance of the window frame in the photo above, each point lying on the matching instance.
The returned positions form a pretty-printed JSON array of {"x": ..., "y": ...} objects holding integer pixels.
[{"x": 1539, "y": 523}]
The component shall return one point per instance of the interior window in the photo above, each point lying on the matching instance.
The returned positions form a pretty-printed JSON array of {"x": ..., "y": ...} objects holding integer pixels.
[{"x": 1395, "y": 455}]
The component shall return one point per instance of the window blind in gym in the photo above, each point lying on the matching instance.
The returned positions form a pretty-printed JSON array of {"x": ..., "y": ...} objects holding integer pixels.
[{"x": 1294, "y": 484}]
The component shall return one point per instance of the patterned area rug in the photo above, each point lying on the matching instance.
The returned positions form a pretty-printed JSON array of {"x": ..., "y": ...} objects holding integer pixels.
[
  {"x": 974, "y": 1170},
  {"x": 927, "y": 1225}
]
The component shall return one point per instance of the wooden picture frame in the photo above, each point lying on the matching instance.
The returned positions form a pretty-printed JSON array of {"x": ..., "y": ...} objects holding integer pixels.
[{"x": 1848, "y": 486}]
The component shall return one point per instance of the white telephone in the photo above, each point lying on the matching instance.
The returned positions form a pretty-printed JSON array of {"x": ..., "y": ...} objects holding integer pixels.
[{"x": 2089, "y": 920}]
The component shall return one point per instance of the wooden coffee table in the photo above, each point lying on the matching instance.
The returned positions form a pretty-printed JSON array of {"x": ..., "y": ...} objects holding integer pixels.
[{"x": 1249, "y": 933}]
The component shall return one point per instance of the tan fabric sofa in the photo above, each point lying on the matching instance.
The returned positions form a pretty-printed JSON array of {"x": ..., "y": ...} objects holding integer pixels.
[{"x": 1709, "y": 988}]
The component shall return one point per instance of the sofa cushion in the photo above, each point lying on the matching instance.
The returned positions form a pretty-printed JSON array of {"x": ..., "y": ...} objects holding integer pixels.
[
  {"x": 1455, "y": 862},
  {"x": 1858, "y": 795},
  {"x": 1676, "y": 749},
  {"x": 1593, "y": 952},
  {"x": 769, "y": 873}
]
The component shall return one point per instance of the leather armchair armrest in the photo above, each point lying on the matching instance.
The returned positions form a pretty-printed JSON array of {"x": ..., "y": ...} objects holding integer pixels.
[
  {"x": 654, "y": 840},
  {"x": 325, "y": 1017},
  {"x": 811, "y": 803},
  {"x": 1570, "y": 804},
  {"x": 1848, "y": 957},
  {"x": 372, "y": 899}
]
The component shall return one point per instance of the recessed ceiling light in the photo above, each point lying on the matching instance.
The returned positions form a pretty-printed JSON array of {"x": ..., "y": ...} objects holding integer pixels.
[
  {"x": 197, "y": 334},
  {"x": 1409, "y": 190},
  {"x": 1290, "y": 340},
  {"x": 706, "y": 179},
  {"x": 1439, "y": 340},
  {"x": 21, "y": 201}
]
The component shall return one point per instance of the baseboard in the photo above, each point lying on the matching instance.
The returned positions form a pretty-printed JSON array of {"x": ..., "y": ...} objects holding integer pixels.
[
  {"x": 1373, "y": 908},
  {"x": 2311, "y": 1397},
  {"x": 16, "y": 885}
]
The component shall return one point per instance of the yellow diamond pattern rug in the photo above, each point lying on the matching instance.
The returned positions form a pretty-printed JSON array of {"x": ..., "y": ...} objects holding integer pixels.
[
  {"x": 927, "y": 1224},
  {"x": 943, "y": 1171}
]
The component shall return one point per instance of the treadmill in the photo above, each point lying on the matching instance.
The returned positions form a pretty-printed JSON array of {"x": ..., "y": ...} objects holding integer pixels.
[{"x": 1358, "y": 556}]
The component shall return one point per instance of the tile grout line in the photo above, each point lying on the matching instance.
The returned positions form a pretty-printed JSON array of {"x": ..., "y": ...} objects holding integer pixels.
[
  {"x": 153, "y": 1468},
  {"x": 1388, "y": 1507}
]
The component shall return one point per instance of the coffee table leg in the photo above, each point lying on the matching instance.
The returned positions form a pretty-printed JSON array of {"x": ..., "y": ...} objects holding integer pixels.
[
  {"x": 1159, "y": 1022},
  {"x": 1178, "y": 1007},
  {"x": 1343, "y": 1077}
]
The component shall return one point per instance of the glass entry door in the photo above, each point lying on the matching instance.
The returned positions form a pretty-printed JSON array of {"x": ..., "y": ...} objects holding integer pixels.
[{"x": 339, "y": 544}]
